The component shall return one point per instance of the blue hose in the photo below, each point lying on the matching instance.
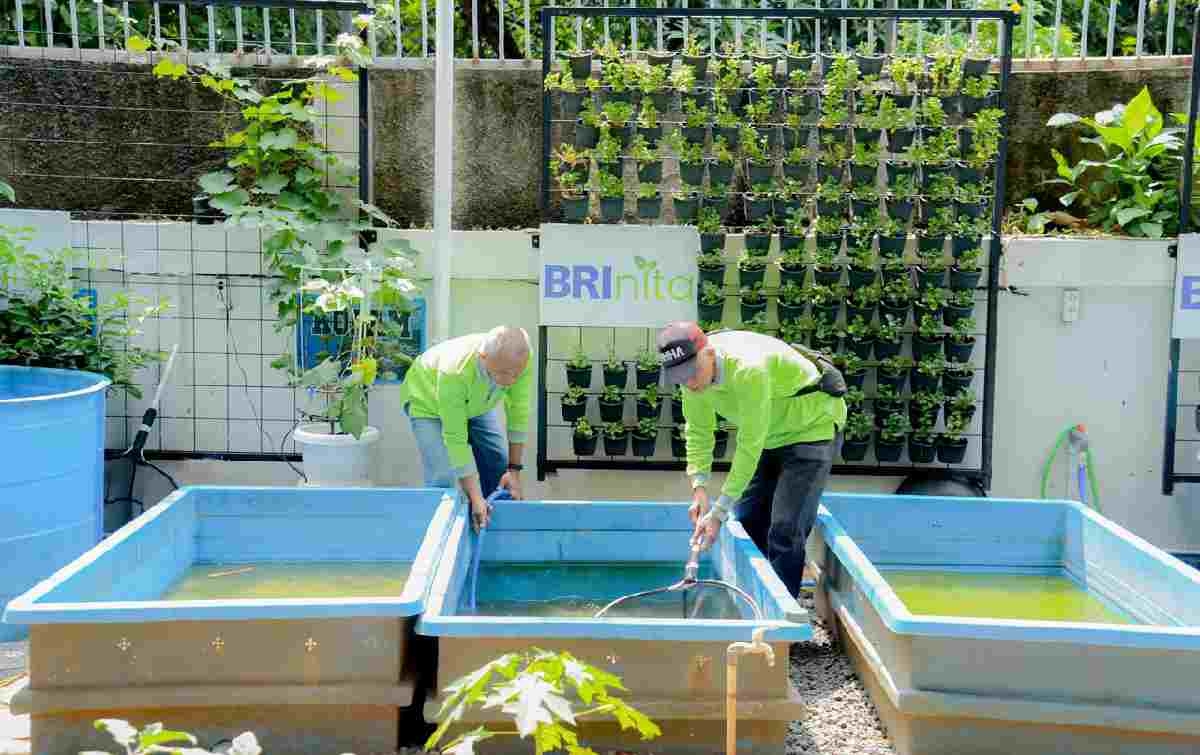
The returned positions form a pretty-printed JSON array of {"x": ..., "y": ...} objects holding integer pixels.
[
  {"x": 1083, "y": 478},
  {"x": 499, "y": 494}
]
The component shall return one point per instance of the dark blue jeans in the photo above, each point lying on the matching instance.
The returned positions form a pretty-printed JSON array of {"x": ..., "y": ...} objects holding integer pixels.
[
  {"x": 489, "y": 445},
  {"x": 779, "y": 507}
]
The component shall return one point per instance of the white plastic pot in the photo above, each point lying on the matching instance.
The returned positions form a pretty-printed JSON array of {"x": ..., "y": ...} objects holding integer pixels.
[{"x": 336, "y": 461}]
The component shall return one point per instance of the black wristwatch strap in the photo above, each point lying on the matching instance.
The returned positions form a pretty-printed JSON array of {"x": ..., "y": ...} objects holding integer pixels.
[{"x": 516, "y": 467}]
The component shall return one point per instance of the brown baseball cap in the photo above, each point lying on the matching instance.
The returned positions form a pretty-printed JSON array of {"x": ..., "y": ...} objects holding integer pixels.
[{"x": 679, "y": 343}]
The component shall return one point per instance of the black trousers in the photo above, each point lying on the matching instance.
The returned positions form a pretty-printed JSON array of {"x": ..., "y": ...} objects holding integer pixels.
[{"x": 779, "y": 507}]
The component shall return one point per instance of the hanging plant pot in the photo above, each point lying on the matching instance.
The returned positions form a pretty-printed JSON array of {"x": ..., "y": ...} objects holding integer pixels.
[
  {"x": 613, "y": 168},
  {"x": 885, "y": 409},
  {"x": 973, "y": 209},
  {"x": 678, "y": 443},
  {"x": 570, "y": 102},
  {"x": 825, "y": 60},
  {"x": 827, "y": 312},
  {"x": 900, "y": 139},
  {"x": 712, "y": 242},
  {"x": 890, "y": 274},
  {"x": 616, "y": 378},
  {"x": 855, "y": 449},
  {"x": 864, "y": 207},
  {"x": 971, "y": 105},
  {"x": 836, "y": 134},
  {"x": 608, "y": 94},
  {"x": 749, "y": 310},
  {"x": 685, "y": 208},
  {"x": 584, "y": 446},
  {"x": 860, "y": 349},
  {"x": 694, "y": 134},
  {"x": 770, "y": 133},
  {"x": 699, "y": 64},
  {"x": 799, "y": 63},
  {"x": 758, "y": 244},
  {"x": 930, "y": 171},
  {"x": 920, "y": 452},
  {"x": 888, "y": 451},
  {"x": 960, "y": 244},
  {"x": 959, "y": 351},
  {"x": 827, "y": 276},
  {"x": 646, "y": 410},
  {"x": 831, "y": 208},
  {"x": 793, "y": 138},
  {"x": 677, "y": 411},
  {"x": 956, "y": 382},
  {"x": 760, "y": 173},
  {"x": 784, "y": 207},
  {"x": 898, "y": 311},
  {"x": 869, "y": 65},
  {"x": 855, "y": 379},
  {"x": 968, "y": 174},
  {"x": 720, "y": 174},
  {"x": 572, "y": 412},
  {"x": 830, "y": 172},
  {"x": 922, "y": 382},
  {"x": 765, "y": 60},
  {"x": 612, "y": 209},
  {"x": 966, "y": 141},
  {"x": 975, "y": 67},
  {"x": 859, "y": 278},
  {"x": 952, "y": 314},
  {"x": 852, "y": 312},
  {"x": 828, "y": 345},
  {"x": 690, "y": 173},
  {"x": 923, "y": 347},
  {"x": 650, "y": 172},
  {"x": 732, "y": 134},
  {"x": 579, "y": 377},
  {"x": 798, "y": 171},
  {"x": 585, "y": 136},
  {"x": 720, "y": 443},
  {"x": 866, "y": 135},
  {"x": 789, "y": 242},
  {"x": 919, "y": 311},
  {"x": 662, "y": 101},
  {"x": 644, "y": 446},
  {"x": 899, "y": 209},
  {"x": 575, "y": 209},
  {"x": 710, "y": 311},
  {"x": 951, "y": 450},
  {"x": 923, "y": 416},
  {"x": 892, "y": 246},
  {"x": 646, "y": 378},
  {"x": 931, "y": 207},
  {"x": 929, "y": 279},
  {"x": 903, "y": 101},
  {"x": 931, "y": 244},
  {"x": 887, "y": 349},
  {"x": 961, "y": 280},
  {"x": 714, "y": 275},
  {"x": 612, "y": 412},
  {"x": 893, "y": 380},
  {"x": 616, "y": 446},
  {"x": 792, "y": 273},
  {"x": 757, "y": 207},
  {"x": 581, "y": 64},
  {"x": 749, "y": 278},
  {"x": 719, "y": 203},
  {"x": 863, "y": 175},
  {"x": 649, "y": 208},
  {"x": 650, "y": 133},
  {"x": 801, "y": 102},
  {"x": 790, "y": 312},
  {"x": 897, "y": 170}
]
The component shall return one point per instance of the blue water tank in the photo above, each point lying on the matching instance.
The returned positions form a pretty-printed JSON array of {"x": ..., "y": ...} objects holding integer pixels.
[{"x": 51, "y": 474}]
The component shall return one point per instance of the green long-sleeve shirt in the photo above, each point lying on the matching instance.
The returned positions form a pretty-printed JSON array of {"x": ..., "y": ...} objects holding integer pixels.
[
  {"x": 754, "y": 387},
  {"x": 449, "y": 383}
]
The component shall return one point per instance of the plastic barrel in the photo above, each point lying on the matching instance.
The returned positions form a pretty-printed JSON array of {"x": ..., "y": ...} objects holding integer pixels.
[{"x": 51, "y": 476}]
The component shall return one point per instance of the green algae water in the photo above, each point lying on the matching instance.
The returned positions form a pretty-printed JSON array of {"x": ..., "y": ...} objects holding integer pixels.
[
  {"x": 301, "y": 579},
  {"x": 576, "y": 589},
  {"x": 1029, "y": 597}
]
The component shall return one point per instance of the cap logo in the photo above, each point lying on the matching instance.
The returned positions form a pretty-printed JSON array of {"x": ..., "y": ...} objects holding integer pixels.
[{"x": 674, "y": 353}]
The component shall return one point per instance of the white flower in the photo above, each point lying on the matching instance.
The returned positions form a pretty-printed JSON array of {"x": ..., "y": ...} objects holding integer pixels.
[{"x": 245, "y": 744}]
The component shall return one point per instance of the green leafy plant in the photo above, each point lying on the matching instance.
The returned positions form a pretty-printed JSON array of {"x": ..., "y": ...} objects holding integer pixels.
[
  {"x": 1127, "y": 190},
  {"x": 560, "y": 81},
  {"x": 905, "y": 72},
  {"x": 615, "y": 430},
  {"x": 153, "y": 738},
  {"x": 648, "y": 116},
  {"x": 979, "y": 86},
  {"x": 866, "y": 297},
  {"x": 583, "y": 429},
  {"x": 613, "y": 363},
  {"x": 929, "y": 327},
  {"x": 963, "y": 402},
  {"x": 649, "y": 395},
  {"x": 962, "y": 331},
  {"x": 610, "y": 186},
  {"x": 945, "y": 73},
  {"x": 896, "y": 428},
  {"x": 969, "y": 261},
  {"x": 721, "y": 151},
  {"x": 892, "y": 366},
  {"x": 859, "y": 329},
  {"x": 683, "y": 80},
  {"x": 574, "y": 396},
  {"x": 859, "y": 425},
  {"x": 751, "y": 263},
  {"x": 646, "y": 428},
  {"x": 611, "y": 394},
  {"x": 792, "y": 294},
  {"x": 708, "y": 221},
  {"x": 753, "y": 294},
  {"x": 711, "y": 294},
  {"x": 579, "y": 359},
  {"x": 932, "y": 112},
  {"x": 648, "y": 359},
  {"x": 887, "y": 330}
]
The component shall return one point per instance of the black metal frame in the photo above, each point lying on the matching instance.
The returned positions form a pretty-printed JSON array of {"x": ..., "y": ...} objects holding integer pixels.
[
  {"x": 982, "y": 475},
  {"x": 1170, "y": 477}
]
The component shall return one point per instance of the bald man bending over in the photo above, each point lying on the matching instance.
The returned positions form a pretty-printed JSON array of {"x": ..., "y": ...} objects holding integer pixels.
[{"x": 451, "y": 394}]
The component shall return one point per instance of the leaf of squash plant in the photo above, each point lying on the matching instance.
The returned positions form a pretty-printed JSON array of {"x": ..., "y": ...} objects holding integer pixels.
[
  {"x": 137, "y": 44},
  {"x": 1151, "y": 230},
  {"x": 1062, "y": 119},
  {"x": 272, "y": 184},
  {"x": 6, "y": 192},
  {"x": 216, "y": 183},
  {"x": 1129, "y": 214},
  {"x": 230, "y": 201},
  {"x": 284, "y": 138}
]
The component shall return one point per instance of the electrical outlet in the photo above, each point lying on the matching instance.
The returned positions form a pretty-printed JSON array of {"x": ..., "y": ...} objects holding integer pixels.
[{"x": 1070, "y": 304}]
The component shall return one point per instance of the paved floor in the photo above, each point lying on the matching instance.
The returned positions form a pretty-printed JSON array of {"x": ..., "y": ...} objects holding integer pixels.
[{"x": 14, "y": 730}]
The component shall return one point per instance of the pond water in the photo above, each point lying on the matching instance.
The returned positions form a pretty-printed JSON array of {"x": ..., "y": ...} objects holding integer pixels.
[{"x": 307, "y": 579}]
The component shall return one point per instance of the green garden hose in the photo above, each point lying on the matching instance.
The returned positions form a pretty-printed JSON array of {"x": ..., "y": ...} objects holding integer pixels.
[{"x": 1093, "y": 489}]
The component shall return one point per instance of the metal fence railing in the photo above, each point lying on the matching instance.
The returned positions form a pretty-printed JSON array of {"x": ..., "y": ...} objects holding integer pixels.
[{"x": 505, "y": 29}]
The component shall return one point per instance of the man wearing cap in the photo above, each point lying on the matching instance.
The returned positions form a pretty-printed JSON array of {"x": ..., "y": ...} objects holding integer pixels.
[
  {"x": 451, "y": 393},
  {"x": 788, "y": 410}
]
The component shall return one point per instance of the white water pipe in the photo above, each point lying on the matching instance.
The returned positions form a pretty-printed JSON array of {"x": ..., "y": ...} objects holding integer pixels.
[
  {"x": 756, "y": 646},
  {"x": 443, "y": 169}
]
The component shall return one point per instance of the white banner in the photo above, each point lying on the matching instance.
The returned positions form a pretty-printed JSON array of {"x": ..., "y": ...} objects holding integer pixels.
[
  {"x": 1185, "y": 321},
  {"x": 625, "y": 276}
]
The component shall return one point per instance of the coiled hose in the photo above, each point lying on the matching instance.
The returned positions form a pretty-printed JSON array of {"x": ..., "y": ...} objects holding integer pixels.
[{"x": 1085, "y": 471}]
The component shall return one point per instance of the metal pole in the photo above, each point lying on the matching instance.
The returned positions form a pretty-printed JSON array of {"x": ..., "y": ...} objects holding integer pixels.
[
  {"x": 443, "y": 168},
  {"x": 541, "y": 394},
  {"x": 547, "y": 22}
]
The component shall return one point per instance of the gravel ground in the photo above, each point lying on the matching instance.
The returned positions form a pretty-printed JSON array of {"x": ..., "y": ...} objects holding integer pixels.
[{"x": 841, "y": 719}]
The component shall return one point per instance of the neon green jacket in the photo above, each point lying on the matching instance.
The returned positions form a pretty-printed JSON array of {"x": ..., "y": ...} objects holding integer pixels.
[
  {"x": 754, "y": 388},
  {"x": 448, "y": 382}
]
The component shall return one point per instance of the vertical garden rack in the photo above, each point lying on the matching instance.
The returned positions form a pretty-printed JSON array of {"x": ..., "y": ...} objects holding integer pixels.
[
  {"x": 980, "y": 472},
  {"x": 1170, "y": 476}
]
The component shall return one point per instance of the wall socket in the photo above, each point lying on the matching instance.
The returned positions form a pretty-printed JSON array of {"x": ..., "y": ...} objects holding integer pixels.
[{"x": 1070, "y": 304}]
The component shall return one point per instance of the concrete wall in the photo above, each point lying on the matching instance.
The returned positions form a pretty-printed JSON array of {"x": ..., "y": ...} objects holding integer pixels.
[{"x": 1107, "y": 370}]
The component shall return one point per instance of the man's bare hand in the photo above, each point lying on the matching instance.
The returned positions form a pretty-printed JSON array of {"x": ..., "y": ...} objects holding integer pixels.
[
  {"x": 699, "y": 505},
  {"x": 481, "y": 513},
  {"x": 512, "y": 481},
  {"x": 706, "y": 531}
]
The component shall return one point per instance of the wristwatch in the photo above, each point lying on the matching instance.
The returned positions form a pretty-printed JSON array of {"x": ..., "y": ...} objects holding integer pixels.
[{"x": 516, "y": 467}]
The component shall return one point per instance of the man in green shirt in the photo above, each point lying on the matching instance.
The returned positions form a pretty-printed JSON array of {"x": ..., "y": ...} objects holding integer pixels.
[
  {"x": 451, "y": 393},
  {"x": 788, "y": 411}
]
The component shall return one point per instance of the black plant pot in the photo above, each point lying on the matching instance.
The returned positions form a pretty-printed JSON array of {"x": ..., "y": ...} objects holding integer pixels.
[
  {"x": 971, "y": 105},
  {"x": 973, "y": 209},
  {"x": 961, "y": 280},
  {"x": 975, "y": 67},
  {"x": 931, "y": 207},
  {"x": 899, "y": 209},
  {"x": 652, "y": 134},
  {"x": 825, "y": 61},
  {"x": 644, "y": 446},
  {"x": 895, "y": 310},
  {"x": 646, "y": 410},
  {"x": 686, "y": 209},
  {"x": 960, "y": 244},
  {"x": 790, "y": 312},
  {"x": 581, "y": 64},
  {"x": 579, "y": 377},
  {"x": 836, "y": 134},
  {"x": 855, "y": 449},
  {"x": 952, "y": 314},
  {"x": 922, "y": 382},
  {"x": 900, "y": 139},
  {"x": 677, "y": 411},
  {"x": 930, "y": 171},
  {"x": 860, "y": 278},
  {"x": 748, "y": 278},
  {"x": 720, "y": 443},
  {"x": 863, "y": 207},
  {"x": 864, "y": 135},
  {"x": 584, "y": 446},
  {"x": 903, "y": 101},
  {"x": 863, "y": 175},
  {"x": 866, "y": 313},
  {"x": 750, "y": 310},
  {"x": 951, "y": 451},
  {"x": 887, "y": 349},
  {"x": 649, "y": 209},
  {"x": 925, "y": 346},
  {"x": 616, "y": 378},
  {"x": 616, "y": 446},
  {"x": 798, "y": 171},
  {"x": 699, "y": 64},
  {"x": 792, "y": 275},
  {"x": 959, "y": 352},
  {"x": 771, "y": 133},
  {"x": 623, "y": 134},
  {"x": 831, "y": 208},
  {"x": 569, "y": 102},
  {"x": 585, "y": 136},
  {"x": 869, "y": 65},
  {"x": 789, "y": 242},
  {"x": 861, "y": 349},
  {"x": 710, "y": 311},
  {"x": 895, "y": 171},
  {"x": 892, "y": 246},
  {"x": 712, "y": 242},
  {"x": 572, "y": 412},
  {"x": 887, "y": 451},
  {"x": 732, "y": 135},
  {"x": 827, "y": 276},
  {"x": 575, "y": 209},
  {"x": 920, "y": 310},
  {"x": 855, "y": 379},
  {"x": 712, "y": 275},
  {"x": 826, "y": 312},
  {"x": 895, "y": 381},
  {"x": 650, "y": 172},
  {"x": 720, "y": 174},
  {"x": 695, "y": 134},
  {"x": 758, "y": 244},
  {"x": 760, "y": 173},
  {"x": 612, "y": 209},
  {"x": 612, "y": 412},
  {"x": 969, "y": 175},
  {"x": 689, "y": 173},
  {"x": 757, "y": 208},
  {"x": 920, "y": 453},
  {"x": 827, "y": 345},
  {"x": 830, "y": 172},
  {"x": 793, "y": 137},
  {"x": 678, "y": 446},
  {"x": 646, "y": 378},
  {"x": 799, "y": 63},
  {"x": 890, "y": 274},
  {"x": 930, "y": 279},
  {"x": 930, "y": 244},
  {"x": 965, "y": 414},
  {"x": 954, "y": 382}
]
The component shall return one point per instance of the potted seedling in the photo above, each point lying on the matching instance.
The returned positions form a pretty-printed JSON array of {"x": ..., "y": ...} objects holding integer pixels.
[
  {"x": 831, "y": 203},
  {"x": 763, "y": 56},
  {"x": 864, "y": 200},
  {"x": 979, "y": 142},
  {"x": 612, "y": 197},
  {"x": 660, "y": 58},
  {"x": 758, "y": 237},
  {"x": 889, "y": 443},
  {"x": 686, "y": 203},
  {"x": 951, "y": 445},
  {"x": 619, "y": 117},
  {"x": 854, "y": 398},
  {"x": 861, "y": 302},
  {"x": 961, "y": 405},
  {"x": 751, "y": 270},
  {"x": 860, "y": 337},
  {"x": 651, "y": 81},
  {"x": 584, "y": 438},
  {"x": 797, "y": 60},
  {"x": 921, "y": 443},
  {"x": 575, "y": 201},
  {"x": 931, "y": 272},
  {"x": 607, "y": 153},
  {"x": 957, "y": 376},
  {"x": 797, "y": 164},
  {"x": 649, "y": 163},
  {"x": 869, "y": 62},
  {"x": 678, "y": 443},
  {"x": 894, "y": 271},
  {"x": 691, "y": 159},
  {"x": 826, "y": 301},
  {"x": 712, "y": 236},
  {"x": 753, "y": 301},
  {"x": 927, "y": 372},
  {"x": 966, "y": 272},
  {"x": 930, "y": 302},
  {"x": 892, "y": 374},
  {"x": 616, "y": 439},
  {"x": 728, "y": 127},
  {"x": 795, "y": 331},
  {"x": 649, "y": 403},
  {"x": 579, "y": 370},
  {"x": 825, "y": 335},
  {"x": 977, "y": 94},
  {"x": 895, "y": 300},
  {"x": 905, "y": 72},
  {"x": 645, "y": 437},
  {"x": 694, "y": 56},
  {"x": 853, "y": 369},
  {"x": 893, "y": 238},
  {"x": 695, "y": 122},
  {"x": 864, "y": 164},
  {"x": 677, "y": 404},
  {"x": 712, "y": 268},
  {"x": 649, "y": 201},
  {"x": 792, "y": 301},
  {"x": 961, "y": 341},
  {"x": 587, "y": 126},
  {"x": 795, "y": 228},
  {"x": 960, "y": 305},
  {"x": 616, "y": 372},
  {"x": 580, "y": 62},
  {"x": 861, "y": 271},
  {"x": 569, "y": 95},
  {"x": 759, "y": 202},
  {"x": 612, "y": 404},
  {"x": 711, "y": 301},
  {"x": 647, "y": 367},
  {"x": 574, "y": 404},
  {"x": 976, "y": 61},
  {"x": 856, "y": 436},
  {"x": 720, "y": 166},
  {"x": 900, "y": 200},
  {"x": 887, "y": 402},
  {"x": 928, "y": 338},
  {"x": 924, "y": 407},
  {"x": 758, "y": 324},
  {"x": 888, "y": 337}
]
